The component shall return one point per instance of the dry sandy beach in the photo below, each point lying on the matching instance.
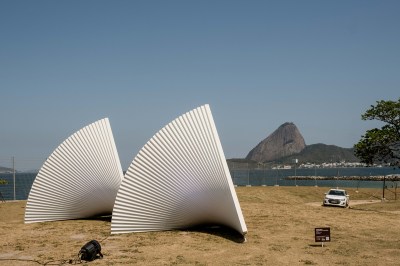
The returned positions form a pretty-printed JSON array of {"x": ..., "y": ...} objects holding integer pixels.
[{"x": 280, "y": 221}]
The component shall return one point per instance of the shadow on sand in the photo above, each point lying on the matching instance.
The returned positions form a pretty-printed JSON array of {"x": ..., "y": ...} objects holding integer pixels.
[
  {"x": 220, "y": 231},
  {"x": 215, "y": 230},
  {"x": 104, "y": 218}
]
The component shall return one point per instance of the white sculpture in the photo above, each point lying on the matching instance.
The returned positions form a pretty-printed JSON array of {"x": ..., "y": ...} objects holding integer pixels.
[
  {"x": 80, "y": 178},
  {"x": 179, "y": 179}
]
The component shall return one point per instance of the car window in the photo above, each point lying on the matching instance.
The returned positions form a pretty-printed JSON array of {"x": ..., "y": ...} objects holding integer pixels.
[{"x": 336, "y": 193}]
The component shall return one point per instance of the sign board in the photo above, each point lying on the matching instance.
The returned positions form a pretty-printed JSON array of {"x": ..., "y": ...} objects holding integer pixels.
[{"x": 323, "y": 234}]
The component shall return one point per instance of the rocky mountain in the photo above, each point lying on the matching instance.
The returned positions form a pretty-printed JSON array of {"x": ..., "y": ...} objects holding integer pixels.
[
  {"x": 283, "y": 142},
  {"x": 286, "y": 143}
]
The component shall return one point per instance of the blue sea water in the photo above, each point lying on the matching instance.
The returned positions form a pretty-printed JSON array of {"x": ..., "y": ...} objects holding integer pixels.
[
  {"x": 271, "y": 177},
  {"x": 241, "y": 177},
  {"x": 23, "y": 184}
]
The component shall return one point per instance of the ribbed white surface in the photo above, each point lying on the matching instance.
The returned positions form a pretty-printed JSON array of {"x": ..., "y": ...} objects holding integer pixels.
[
  {"x": 179, "y": 179},
  {"x": 80, "y": 178}
]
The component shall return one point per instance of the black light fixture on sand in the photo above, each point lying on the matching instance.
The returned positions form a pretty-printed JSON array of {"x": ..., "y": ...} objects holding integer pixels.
[{"x": 90, "y": 251}]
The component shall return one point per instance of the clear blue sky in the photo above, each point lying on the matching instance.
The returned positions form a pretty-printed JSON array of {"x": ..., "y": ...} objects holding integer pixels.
[{"x": 318, "y": 64}]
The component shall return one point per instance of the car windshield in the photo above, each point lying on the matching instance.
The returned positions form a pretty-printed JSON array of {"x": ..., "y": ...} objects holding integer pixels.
[{"x": 337, "y": 193}]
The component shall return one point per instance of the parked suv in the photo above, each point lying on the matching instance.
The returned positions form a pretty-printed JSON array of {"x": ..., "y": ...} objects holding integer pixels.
[{"x": 336, "y": 197}]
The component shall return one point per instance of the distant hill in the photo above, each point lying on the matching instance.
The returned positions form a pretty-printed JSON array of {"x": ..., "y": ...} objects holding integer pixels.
[
  {"x": 321, "y": 153},
  {"x": 286, "y": 143},
  {"x": 5, "y": 170}
]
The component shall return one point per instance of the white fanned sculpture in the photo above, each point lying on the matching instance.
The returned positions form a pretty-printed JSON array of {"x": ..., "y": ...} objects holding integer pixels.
[
  {"x": 179, "y": 179},
  {"x": 80, "y": 179}
]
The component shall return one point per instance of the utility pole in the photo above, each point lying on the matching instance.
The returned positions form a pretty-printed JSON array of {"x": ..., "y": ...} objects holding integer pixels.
[
  {"x": 13, "y": 162},
  {"x": 248, "y": 175},
  {"x": 383, "y": 188},
  {"x": 295, "y": 161}
]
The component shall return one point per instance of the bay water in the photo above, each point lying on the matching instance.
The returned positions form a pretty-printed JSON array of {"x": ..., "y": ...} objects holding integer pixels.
[{"x": 241, "y": 177}]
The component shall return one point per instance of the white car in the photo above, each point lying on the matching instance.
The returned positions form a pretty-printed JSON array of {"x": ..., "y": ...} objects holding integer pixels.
[{"x": 336, "y": 197}]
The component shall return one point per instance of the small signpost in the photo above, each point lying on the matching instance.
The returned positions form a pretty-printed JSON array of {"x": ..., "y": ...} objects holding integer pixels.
[{"x": 322, "y": 235}]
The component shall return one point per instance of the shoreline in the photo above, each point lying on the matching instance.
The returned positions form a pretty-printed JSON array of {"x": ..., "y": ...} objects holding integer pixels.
[{"x": 360, "y": 178}]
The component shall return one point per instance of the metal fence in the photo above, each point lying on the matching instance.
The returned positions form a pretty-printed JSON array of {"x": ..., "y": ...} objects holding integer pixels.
[
  {"x": 385, "y": 178},
  {"x": 16, "y": 186}
]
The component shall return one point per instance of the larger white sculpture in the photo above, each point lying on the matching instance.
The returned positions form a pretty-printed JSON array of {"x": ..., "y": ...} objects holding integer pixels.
[
  {"x": 179, "y": 179},
  {"x": 80, "y": 178}
]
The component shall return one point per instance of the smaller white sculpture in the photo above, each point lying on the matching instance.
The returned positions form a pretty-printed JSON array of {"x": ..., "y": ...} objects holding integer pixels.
[
  {"x": 179, "y": 179},
  {"x": 80, "y": 178}
]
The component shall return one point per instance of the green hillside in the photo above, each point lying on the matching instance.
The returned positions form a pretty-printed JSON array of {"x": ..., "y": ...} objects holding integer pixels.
[{"x": 322, "y": 153}]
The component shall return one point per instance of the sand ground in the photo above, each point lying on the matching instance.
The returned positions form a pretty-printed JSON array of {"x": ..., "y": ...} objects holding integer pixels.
[{"x": 280, "y": 221}]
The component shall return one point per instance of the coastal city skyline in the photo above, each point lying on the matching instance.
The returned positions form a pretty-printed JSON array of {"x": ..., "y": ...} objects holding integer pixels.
[{"x": 318, "y": 64}]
